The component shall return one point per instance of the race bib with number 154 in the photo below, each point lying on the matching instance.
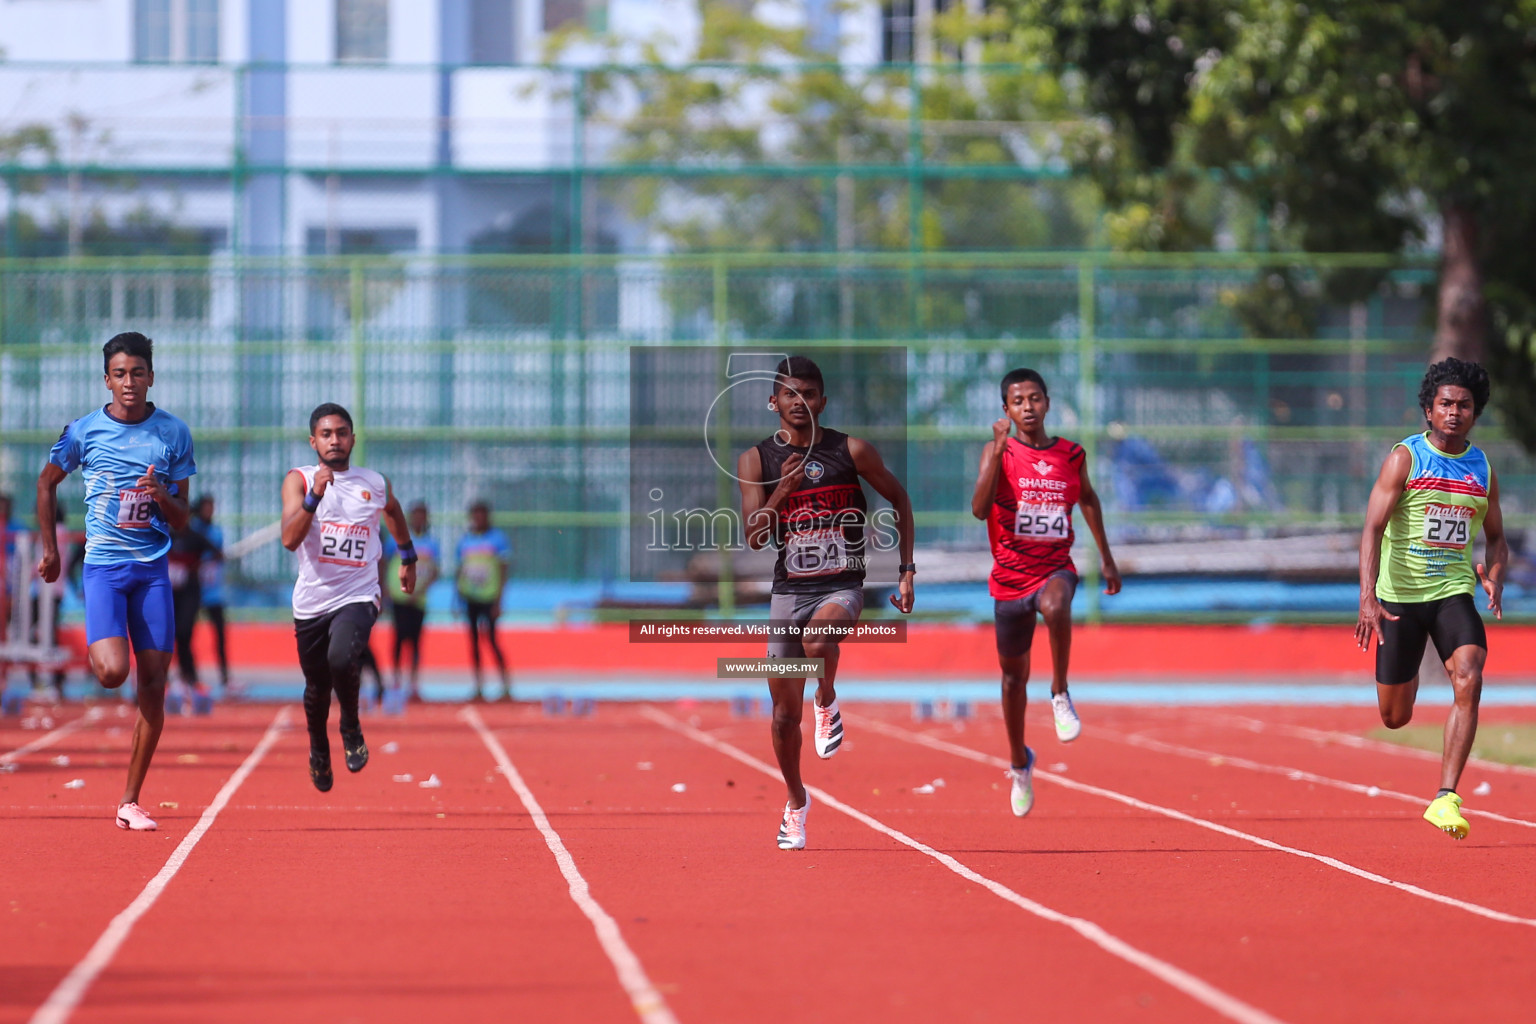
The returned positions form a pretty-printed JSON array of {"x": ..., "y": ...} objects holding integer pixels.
[{"x": 816, "y": 552}]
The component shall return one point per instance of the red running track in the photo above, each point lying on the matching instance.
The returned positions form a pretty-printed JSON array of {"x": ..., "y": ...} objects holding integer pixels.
[{"x": 1212, "y": 870}]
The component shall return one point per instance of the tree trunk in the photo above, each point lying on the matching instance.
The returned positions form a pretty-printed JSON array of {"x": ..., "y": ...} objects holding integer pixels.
[{"x": 1461, "y": 328}]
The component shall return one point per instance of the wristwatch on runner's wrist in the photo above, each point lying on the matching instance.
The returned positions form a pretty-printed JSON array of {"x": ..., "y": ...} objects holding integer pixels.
[{"x": 907, "y": 567}]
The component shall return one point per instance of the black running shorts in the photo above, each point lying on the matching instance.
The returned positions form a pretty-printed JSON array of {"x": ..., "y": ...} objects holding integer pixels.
[
  {"x": 1450, "y": 622},
  {"x": 408, "y": 620},
  {"x": 1015, "y": 619}
]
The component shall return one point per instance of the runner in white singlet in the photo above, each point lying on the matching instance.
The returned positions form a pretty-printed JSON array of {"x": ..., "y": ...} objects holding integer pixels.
[{"x": 331, "y": 517}]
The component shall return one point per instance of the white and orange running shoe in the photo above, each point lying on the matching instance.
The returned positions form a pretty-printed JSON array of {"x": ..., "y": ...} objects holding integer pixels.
[
  {"x": 792, "y": 829},
  {"x": 132, "y": 816},
  {"x": 829, "y": 729}
]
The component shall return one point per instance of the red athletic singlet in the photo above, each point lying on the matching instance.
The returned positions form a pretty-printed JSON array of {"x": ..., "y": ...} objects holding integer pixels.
[{"x": 1031, "y": 522}]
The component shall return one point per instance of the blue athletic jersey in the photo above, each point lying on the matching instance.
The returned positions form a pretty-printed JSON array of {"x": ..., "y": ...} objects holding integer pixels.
[{"x": 122, "y": 522}]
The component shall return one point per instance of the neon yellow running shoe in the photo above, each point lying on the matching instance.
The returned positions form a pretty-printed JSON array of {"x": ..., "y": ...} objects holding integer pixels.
[{"x": 1444, "y": 812}]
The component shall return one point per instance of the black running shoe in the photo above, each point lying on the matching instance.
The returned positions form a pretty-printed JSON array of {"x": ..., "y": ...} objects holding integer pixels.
[
  {"x": 357, "y": 750},
  {"x": 320, "y": 770}
]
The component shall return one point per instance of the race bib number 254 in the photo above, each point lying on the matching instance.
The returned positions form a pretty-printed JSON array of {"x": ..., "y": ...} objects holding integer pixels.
[{"x": 1042, "y": 522}]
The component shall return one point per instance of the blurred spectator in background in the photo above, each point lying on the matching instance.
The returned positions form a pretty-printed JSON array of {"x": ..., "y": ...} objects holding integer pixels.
[
  {"x": 210, "y": 578},
  {"x": 188, "y": 547},
  {"x": 9, "y": 527},
  {"x": 72, "y": 555},
  {"x": 484, "y": 559},
  {"x": 410, "y": 610}
]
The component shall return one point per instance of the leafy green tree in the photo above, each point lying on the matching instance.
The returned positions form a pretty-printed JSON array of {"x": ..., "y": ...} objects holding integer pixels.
[
  {"x": 824, "y": 150},
  {"x": 1356, "y": 125},
  {"x": 803, "y": 155}
]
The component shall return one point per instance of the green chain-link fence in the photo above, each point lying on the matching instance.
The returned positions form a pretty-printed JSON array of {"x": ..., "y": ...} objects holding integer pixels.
[{"x": 507, "y": 378}]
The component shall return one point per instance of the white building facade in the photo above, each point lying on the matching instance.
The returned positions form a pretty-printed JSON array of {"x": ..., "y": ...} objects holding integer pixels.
[{"x": 268, "y": 127}]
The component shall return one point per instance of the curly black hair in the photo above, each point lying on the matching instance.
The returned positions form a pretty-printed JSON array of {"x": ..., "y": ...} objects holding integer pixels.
[{"x": 1457, "y": 372}]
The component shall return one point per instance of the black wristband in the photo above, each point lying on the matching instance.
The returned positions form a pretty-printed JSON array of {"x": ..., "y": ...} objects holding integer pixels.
[
  {"x": 311, "y": 501},
  {"x": 907, "y": 567},
  {"x": 408, "y": 554}
]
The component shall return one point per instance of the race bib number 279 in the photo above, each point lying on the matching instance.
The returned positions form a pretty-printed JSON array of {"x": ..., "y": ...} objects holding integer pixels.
[{"x": 1447, "y": 526}]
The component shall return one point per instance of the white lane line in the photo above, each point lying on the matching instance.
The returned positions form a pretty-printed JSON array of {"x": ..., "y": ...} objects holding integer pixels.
[
  {"x": 48, "y": 739},
  {"x": 67, "y": 996},
  {"x": 1201, "y": 991},
  {"x": 1364, "y": 743},
  {"x": 647, "y": 1001},
  {"x": 1294, "y": 774},
  {"x": 895, "y": 732}
]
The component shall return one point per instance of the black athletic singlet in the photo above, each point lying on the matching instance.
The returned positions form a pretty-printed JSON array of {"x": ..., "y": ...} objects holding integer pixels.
[{"x": 820, "y": 532}]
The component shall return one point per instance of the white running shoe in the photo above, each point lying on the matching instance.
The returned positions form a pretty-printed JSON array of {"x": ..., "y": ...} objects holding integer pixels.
[
  {"x": 792, "y": 828},
  {"x": 829, "y": 729},
  {"x": 132, "y": 816},
  {"x": 1068, "y": 725},
  {"x": 1022, "y": 793}
]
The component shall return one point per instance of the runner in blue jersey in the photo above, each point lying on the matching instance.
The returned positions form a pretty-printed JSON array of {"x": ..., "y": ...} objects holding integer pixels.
[{"x": 135, "y": 461}]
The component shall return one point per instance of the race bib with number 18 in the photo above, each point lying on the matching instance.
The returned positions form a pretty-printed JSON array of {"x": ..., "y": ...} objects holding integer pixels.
[{"x": 135, "y": 509}]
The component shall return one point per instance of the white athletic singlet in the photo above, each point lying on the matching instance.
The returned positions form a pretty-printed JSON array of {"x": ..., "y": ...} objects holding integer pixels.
[{"x": 339, "y": 558}]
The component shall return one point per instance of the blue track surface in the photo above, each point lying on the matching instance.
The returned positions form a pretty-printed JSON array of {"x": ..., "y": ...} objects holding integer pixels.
[{"x": 1172, "y": 693}]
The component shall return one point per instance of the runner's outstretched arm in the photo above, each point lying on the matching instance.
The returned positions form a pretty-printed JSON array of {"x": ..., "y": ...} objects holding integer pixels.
[
  {"x": 1093, "y": 515},
  {"x": 872, "y": 468},
  {"x": 1496, "y": 550},
  {"x": 47, "y": 516},
  {"x": 394, "y": 518},
  {"x": 1390, "y": 484},
  {"x": 986, "y": 475}
]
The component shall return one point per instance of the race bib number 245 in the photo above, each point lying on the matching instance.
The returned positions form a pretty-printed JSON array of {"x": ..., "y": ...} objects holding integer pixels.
[{"x": 344, "y": 543}]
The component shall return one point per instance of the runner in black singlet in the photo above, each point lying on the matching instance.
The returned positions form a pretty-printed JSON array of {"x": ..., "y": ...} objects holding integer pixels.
[{"x": 801, "y": 492}]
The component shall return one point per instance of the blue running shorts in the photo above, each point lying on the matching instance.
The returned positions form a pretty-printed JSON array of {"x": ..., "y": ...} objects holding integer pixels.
[{"x": 133, "y": 600}]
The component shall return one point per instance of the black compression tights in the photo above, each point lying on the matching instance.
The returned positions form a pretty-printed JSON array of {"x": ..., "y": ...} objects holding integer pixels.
[{"x": 331, "y": 653}]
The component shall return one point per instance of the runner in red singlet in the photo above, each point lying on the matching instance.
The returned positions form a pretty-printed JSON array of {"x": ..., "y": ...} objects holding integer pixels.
[{"x": 1025, "y": 490}]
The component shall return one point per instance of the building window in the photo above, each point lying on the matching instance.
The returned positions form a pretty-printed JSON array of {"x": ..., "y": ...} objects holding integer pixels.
[
  {"x": 590, "y": 14},
  {"x": 901, "y": 27},
  {"x": 362, "y": 30},
  {"x": 176, "y": 31},
  {"x": 490, "y": 40},
  {"x": 202, "y": 31},
  {"x": 898, "y": 30}
]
